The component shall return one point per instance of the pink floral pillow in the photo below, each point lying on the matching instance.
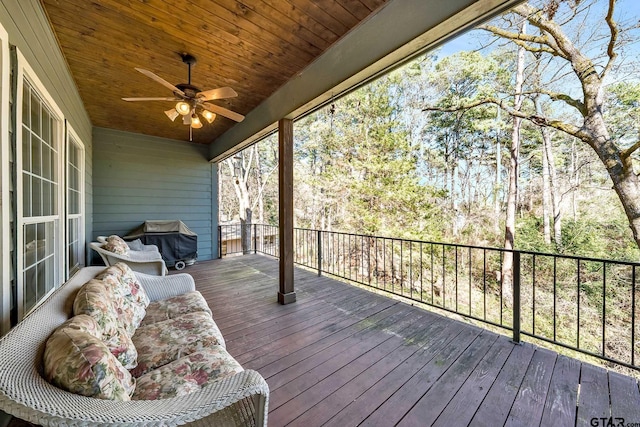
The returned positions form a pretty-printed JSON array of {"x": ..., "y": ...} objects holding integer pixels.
[
  {"x": 116, "y": 245},
  {"x": 76, "y": 360}
]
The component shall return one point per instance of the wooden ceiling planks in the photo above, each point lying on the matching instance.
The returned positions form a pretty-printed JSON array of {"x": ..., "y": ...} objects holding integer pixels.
[{"x": 254, "y": 46}]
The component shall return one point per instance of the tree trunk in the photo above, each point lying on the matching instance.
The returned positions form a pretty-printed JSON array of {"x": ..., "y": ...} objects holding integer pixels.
[
  {"x": 240, "y": 173},
  {"x": 618, "y": 164},
  {"x": 546, "y": 185},
  {"x": 554, "y": 193},
  {"x": 573, "y": 180},
  {"x": 496, "y": 185},
  {"x": 260, "y": 196},
  {"x": 259, "y": 185},
  {"x": 512, "y": 197}
]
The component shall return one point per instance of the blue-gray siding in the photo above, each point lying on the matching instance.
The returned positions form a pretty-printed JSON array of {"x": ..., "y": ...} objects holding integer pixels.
[
  {"x": 138, "y": 177},
  {"x": 29, "y": 30}
]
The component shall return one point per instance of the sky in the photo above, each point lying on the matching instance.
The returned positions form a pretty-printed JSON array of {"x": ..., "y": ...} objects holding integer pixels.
[{"x": 625, "y": 9}]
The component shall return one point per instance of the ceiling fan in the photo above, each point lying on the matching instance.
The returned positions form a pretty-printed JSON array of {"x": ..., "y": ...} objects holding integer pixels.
[{"x": 191, "y": 102}]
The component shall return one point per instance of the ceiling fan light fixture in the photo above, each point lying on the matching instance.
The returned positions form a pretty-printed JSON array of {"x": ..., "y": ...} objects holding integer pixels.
[
  {"x": 186, "y": 120},
  {"x": 195, "y": 121},
  {"x": 208, "y": 116},
  {"x": 172, "y": 114},
  {"x": 183, "y": 108}
]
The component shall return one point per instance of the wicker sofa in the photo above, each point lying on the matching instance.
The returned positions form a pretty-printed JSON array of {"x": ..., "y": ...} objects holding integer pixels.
[{"x": 237, "y": 398}]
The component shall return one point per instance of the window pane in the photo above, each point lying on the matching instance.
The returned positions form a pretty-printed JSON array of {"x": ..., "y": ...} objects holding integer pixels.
[
  {"x": 54, "y": 199},
  {"x": 26, "y": 195},
  {"x": 30, "y": 279},
  {"x": 47, "y": 207},
  {"x": 50, "y": 274},
  {"x": 36, "y": 197},
  {"x": 73, "y": 203},
  {"x": 26, "y": 110},
  {"x": 46, "y": 126},
  {"x": 35, "y": 114},
  {"x": 26, "y": 150},
  {"x": 54, "y": 165},
  {"x": 31, "y": 245},
  {"x": 36, "y": 156},
  {"x": 46, "y": 162},
  {"x": 73, "y": 154}
]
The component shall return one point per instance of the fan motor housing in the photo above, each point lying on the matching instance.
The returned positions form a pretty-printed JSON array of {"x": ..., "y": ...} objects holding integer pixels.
[{"x": 190, "y": 90}]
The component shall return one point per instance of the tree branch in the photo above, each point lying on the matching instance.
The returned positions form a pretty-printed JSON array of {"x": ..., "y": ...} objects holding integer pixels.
[
  {"x": 245, "y": 178},
  {"x": 264, "y": 184},
  {"x": 556, "y": 96},
  {"x": 613, "y": 28},
  {"x": 533, "y": 118},
  {"x": 629, "y": 151},
  {"x": 514, "y": 36},
  {"x": 559, "y": 41},
  {"x": 524, "y": 40}
]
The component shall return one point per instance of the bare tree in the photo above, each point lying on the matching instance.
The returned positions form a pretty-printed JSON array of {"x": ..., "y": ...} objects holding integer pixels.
[
  {"x": 239, "y": 167},
  {"x": 512, "y": 194},
  {"x": 616, "y": 156}
]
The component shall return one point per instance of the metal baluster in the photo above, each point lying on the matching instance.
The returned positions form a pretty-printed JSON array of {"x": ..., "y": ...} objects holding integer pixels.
[
  {"x": 516, "y": 296},
  {"x": 578, "y": 299},
  {"x": 604, "y": 306},
  {"x": 319, "y": 239},
  {"x": 555, "y": 297},
  {"x": 533, "y": 284},
  {"x": 432, "y": 278},
  {"x": 469, "y": 281},
  {"x": 456, "y": 278},
  {"x": 633, "y": 315},
  {"x": 484, "y": 283}
]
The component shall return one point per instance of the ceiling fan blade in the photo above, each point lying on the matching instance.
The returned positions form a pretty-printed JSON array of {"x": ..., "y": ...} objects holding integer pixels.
[
  {"x": 160, "y": 80},
  {"x": 151, "y": 99},
  {"x": 223, "y": 112},
  {"x": 219, "y": 93}
]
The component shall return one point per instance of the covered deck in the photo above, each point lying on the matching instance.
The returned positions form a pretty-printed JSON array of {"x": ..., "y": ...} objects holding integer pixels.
[{"x": 343, "y": 356}]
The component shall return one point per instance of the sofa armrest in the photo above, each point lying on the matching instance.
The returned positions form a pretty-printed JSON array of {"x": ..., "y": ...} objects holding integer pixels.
[{"x": 163, "y": 287}]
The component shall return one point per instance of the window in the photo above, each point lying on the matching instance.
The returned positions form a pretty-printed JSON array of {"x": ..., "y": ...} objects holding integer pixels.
[
  {"x": 49, "y": 194},
  {"x": 7, "y": 274},
  {"x": 75, "y": 204},
  {"x": 40, "y": 189}
]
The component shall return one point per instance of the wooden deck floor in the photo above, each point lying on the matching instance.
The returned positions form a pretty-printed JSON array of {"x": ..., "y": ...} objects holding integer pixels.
[{"x": 341, "y": 356}]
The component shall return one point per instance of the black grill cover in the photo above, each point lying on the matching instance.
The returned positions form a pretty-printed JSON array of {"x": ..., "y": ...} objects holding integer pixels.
[{"x": 173, "y": 238}]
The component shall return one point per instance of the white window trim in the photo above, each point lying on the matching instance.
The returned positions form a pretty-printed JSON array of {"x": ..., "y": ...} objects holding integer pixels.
[
  {"x": 24, "y": 70},
  {"x": 5, "y": 214},
  {"x": 71, "y": 133}
]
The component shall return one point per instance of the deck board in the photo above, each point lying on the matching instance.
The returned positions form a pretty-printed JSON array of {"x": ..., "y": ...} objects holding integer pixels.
[
  {"x": 559, "y": 409},
  {"x": 343, "y": 356},
  {"x": 624, "y": 397},
  {"x": 594, "y": 395},
  {"x": 461, "y": 408},
  {"x": 529, "y": 404}
]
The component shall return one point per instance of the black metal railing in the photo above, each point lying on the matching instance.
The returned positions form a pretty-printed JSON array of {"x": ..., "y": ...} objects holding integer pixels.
[{"x": 580, "y": 303}]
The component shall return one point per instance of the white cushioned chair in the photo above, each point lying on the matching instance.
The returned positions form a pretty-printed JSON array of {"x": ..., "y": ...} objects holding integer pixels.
[{"x": 148, "y": 261}]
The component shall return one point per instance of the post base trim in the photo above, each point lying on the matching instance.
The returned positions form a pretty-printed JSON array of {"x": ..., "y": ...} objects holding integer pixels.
[{"x": 287, "y": 298}]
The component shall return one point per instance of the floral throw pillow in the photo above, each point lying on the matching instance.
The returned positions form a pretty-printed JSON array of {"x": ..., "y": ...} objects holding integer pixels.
[
  {"x": 76, "y": 360},
  {"x": 116, "y": 245},
  {"x": 130, "y": 299},
  {"x": 98, "y": 301},
  {"x": 187, "y": 374}
]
